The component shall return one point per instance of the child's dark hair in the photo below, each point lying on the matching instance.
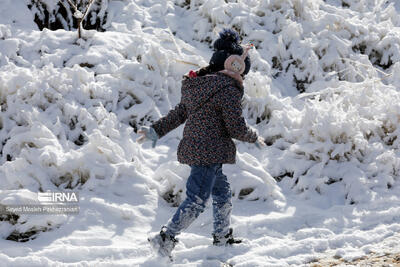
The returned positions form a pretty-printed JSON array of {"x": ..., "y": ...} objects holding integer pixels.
[
  {"x": 207, "y": 70},
  {"x": 204, "y": 71}
]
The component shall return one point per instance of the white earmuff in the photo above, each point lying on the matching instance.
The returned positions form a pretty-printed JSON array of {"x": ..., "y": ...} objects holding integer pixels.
[{"x": 236, "y": 63}]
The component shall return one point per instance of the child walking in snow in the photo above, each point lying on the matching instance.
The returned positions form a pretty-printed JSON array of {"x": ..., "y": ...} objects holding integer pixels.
[{"x": 211, "y": 107}]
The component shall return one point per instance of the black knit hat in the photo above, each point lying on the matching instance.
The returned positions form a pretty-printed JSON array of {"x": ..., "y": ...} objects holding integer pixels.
[{"x": 227, "y": 44}]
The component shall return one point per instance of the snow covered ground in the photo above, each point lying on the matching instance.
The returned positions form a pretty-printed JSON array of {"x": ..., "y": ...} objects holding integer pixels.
[{"x": 324, "y": 91}]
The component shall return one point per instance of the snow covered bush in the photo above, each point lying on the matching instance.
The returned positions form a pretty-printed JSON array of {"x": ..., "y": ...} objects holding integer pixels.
[
  {"x": 348, "y": 134},
  {"x": 322, "y": 90},
  {"x": 304, "y": 41},
  {"x": 24, "y": 227}
]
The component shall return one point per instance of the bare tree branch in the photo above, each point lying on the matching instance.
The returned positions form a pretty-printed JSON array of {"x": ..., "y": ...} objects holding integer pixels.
[{"x": 73, "y": 5}]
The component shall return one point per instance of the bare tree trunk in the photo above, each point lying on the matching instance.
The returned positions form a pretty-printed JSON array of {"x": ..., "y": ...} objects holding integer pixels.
[{"x": 79, "y": 28}]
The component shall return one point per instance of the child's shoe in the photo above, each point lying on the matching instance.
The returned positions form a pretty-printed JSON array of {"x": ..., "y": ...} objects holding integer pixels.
[
  {"x": 163, "y": 243},
  {"x": 226, "y": 240}
]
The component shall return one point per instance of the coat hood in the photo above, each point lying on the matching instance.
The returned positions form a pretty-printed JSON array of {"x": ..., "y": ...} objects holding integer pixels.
[{"x": 196, "y": 91}]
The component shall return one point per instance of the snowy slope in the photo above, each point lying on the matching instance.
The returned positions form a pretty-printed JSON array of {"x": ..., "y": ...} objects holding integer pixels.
[{"x": 323, "y": 91}]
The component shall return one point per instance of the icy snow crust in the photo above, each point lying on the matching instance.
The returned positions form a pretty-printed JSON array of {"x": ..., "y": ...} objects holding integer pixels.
[{"x": 327, "y": 184}]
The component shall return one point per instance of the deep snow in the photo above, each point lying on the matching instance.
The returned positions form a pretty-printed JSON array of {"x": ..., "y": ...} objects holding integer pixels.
[{"x": 327, "y": 184}]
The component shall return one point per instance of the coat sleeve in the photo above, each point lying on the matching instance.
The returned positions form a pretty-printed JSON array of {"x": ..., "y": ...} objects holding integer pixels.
[
  {"x": 230, "y": 104},
  {"x": 172, "y": 120}
]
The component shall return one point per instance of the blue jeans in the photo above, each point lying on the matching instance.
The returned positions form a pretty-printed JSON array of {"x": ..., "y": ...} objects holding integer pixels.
[{"x": 203, "y": 182}]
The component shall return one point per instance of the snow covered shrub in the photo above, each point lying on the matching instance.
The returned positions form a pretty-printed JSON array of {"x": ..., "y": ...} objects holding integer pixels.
[
  {"x": 172, "y": 177},
  {"x": 304, "y": 41},
  {"x": 69, "y": 109},
  {"x": 24, "y": 227},
  {"x": 55, "y": 15},
  {"x": 42, "y": 149},
  {"x": 253, "y": 182},
  {"x": 346, "y": 135}
]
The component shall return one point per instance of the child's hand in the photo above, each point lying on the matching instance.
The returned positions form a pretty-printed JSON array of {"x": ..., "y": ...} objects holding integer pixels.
[
  {"x": 148, "y": 133},
  {"x": 260, "y": 143}
]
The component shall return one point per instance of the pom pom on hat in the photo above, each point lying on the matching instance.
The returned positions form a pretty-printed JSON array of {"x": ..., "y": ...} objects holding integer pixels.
[{"x": 228, "y": 40}]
